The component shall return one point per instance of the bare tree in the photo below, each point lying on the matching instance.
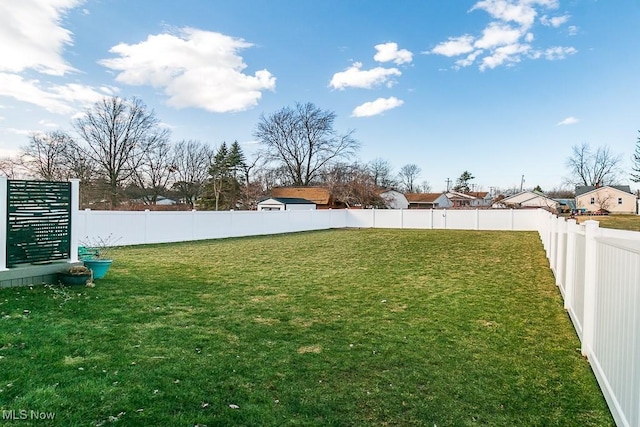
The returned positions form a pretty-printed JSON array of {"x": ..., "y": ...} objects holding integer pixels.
[
  {"x": 382, "y": 173},
  {"x": 9, "y": 167},
  {"x": 252, "y": 190},
  {"x": 304, "y": 141},
  {"x": 116, "y": 131},
  {"x": 635, "y": 159},
  {"x": 45, "y": 156},
  {"x": 353, "y": 185},
  {"x": 153, "y": 174},
  {"x": 272, "y": 177},
  {"x": 190, "y": 165},
  {"x": 425, "y": 187},
  {"x": 408, "y": 176},
  {"x": 590, "y": 168}
]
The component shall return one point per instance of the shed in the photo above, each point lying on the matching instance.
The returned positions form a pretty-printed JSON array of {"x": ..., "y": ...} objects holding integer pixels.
[
  {"x": 286, "y": 204},
  {"x": 394, "y": 199},
  {"x": 527, "y": 199}
]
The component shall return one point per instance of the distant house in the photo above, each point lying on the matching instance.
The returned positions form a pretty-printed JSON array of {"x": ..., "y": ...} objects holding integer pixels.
[
  {"x": 427, "y": 200},
  {"x": 468, "y": 200},
  {"x": 483, "y": 198},
  {"x": 164, "y": 201},
  {"x": 320, "y": 196},
  {"x": 394, "y": 199},
  {"x": 611, "y": 198},
  {"x": 448, "y": 200},
  {"x": 527, "y": 199},
  {"x": 285, "y": 204}
]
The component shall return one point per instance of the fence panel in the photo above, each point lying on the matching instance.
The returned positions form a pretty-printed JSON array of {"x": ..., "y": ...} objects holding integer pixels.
[
  {"x": 616, "y": 344},
  {"x": 461, "y": 219},
  {"x": 576, "y": 310},
  {"x": 418, "y": 218},
  {"x": 525, "y": 219},
  {"x": 388, "y": 218},
  {"x": 496, "y": 219}
]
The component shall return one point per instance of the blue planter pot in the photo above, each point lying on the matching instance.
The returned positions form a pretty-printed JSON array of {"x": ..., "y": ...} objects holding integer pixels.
[{"x": 98, "y": 266}]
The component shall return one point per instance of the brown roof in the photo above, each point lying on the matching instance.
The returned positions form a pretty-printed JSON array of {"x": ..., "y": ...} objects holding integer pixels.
[
  {"x": 478, "y": 194},
  {"x": 318, "y": 195},
  {"x": 422, "y": 197}
]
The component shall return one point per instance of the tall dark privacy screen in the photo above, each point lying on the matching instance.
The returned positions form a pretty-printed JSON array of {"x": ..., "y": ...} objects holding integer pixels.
[{"x": 38, "y": 221}]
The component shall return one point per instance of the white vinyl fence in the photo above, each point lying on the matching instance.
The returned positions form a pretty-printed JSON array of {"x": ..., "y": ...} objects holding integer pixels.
[
  {"x": 133, "y": 228},
  {"x": 598, "y": 273}
]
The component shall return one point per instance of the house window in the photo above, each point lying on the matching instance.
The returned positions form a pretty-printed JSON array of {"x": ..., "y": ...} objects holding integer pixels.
[
  {"x": 593, "y": 200},
  {"x": 619, "y": 200}
]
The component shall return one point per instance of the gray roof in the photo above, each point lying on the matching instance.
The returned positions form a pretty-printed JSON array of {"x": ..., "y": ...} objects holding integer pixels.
[{"x": 580, "y": 190}]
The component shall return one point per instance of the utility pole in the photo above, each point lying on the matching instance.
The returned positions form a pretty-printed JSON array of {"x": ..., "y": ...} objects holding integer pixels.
[
  {"x": 448, "y": 181},
  {"x": 521, "y": 182}
]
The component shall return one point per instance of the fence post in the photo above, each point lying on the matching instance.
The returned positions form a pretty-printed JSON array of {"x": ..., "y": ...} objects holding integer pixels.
[
  {"x": 570, "y": 267},
  {"x": 590, "y": 284},
  {"x": 477, "y": 219},
  {"x": 511, "y": 220},
  {"x": 553, "y": 244},
  {"x": 74, "y": 208},
  {"x": 146, "y": 225},
  {"x": 561, "y": 252},
  {"x": 3, "y": 223}
]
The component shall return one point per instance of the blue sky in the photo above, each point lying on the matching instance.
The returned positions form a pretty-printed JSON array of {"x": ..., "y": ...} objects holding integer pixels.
[{"x": 502, "y": 88}]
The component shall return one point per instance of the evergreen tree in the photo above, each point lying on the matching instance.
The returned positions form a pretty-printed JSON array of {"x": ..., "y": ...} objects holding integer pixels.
[
  {"x": 462, "y": 183},
  {"x": 225, "y": 177}
]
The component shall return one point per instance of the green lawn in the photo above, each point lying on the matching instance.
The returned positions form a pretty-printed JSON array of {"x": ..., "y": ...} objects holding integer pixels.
[
  {"x": 340, "y": 327},
  {"x": 621, "y": 222}
]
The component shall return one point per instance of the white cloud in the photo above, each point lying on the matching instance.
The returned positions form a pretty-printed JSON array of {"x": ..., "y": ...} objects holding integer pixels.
[
  {"x": 376, "y": 107},
  {"x": 497, "y": 35},
  {"x": 455, "y": 46},
  {"x": 568, "y": 121},
  {"x": 31, "y": 36},
  {"x": 195, "y": 68},
  {"x": 573, "y": 30},
  {"x": 507, "y": 39},
  {"x": 60, "y": 99},
  {"x": 389, "y": 52},
  {"x": 21, "y": 132},
  {"x": 354, "y": 76},
  {"x": 504, "y": 55},
  {"x": 48, "y": 124},
  {"x": 554, "y": 22},
  {"x": 520, "y": 12},
  {"x": 558, "y": 52},
  {"x": 470, "y": 59}
]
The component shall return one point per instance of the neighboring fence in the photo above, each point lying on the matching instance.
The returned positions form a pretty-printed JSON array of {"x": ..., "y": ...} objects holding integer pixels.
[
  {"x": 132, "y": 228},
  {"x": 598, "y": 273}
]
